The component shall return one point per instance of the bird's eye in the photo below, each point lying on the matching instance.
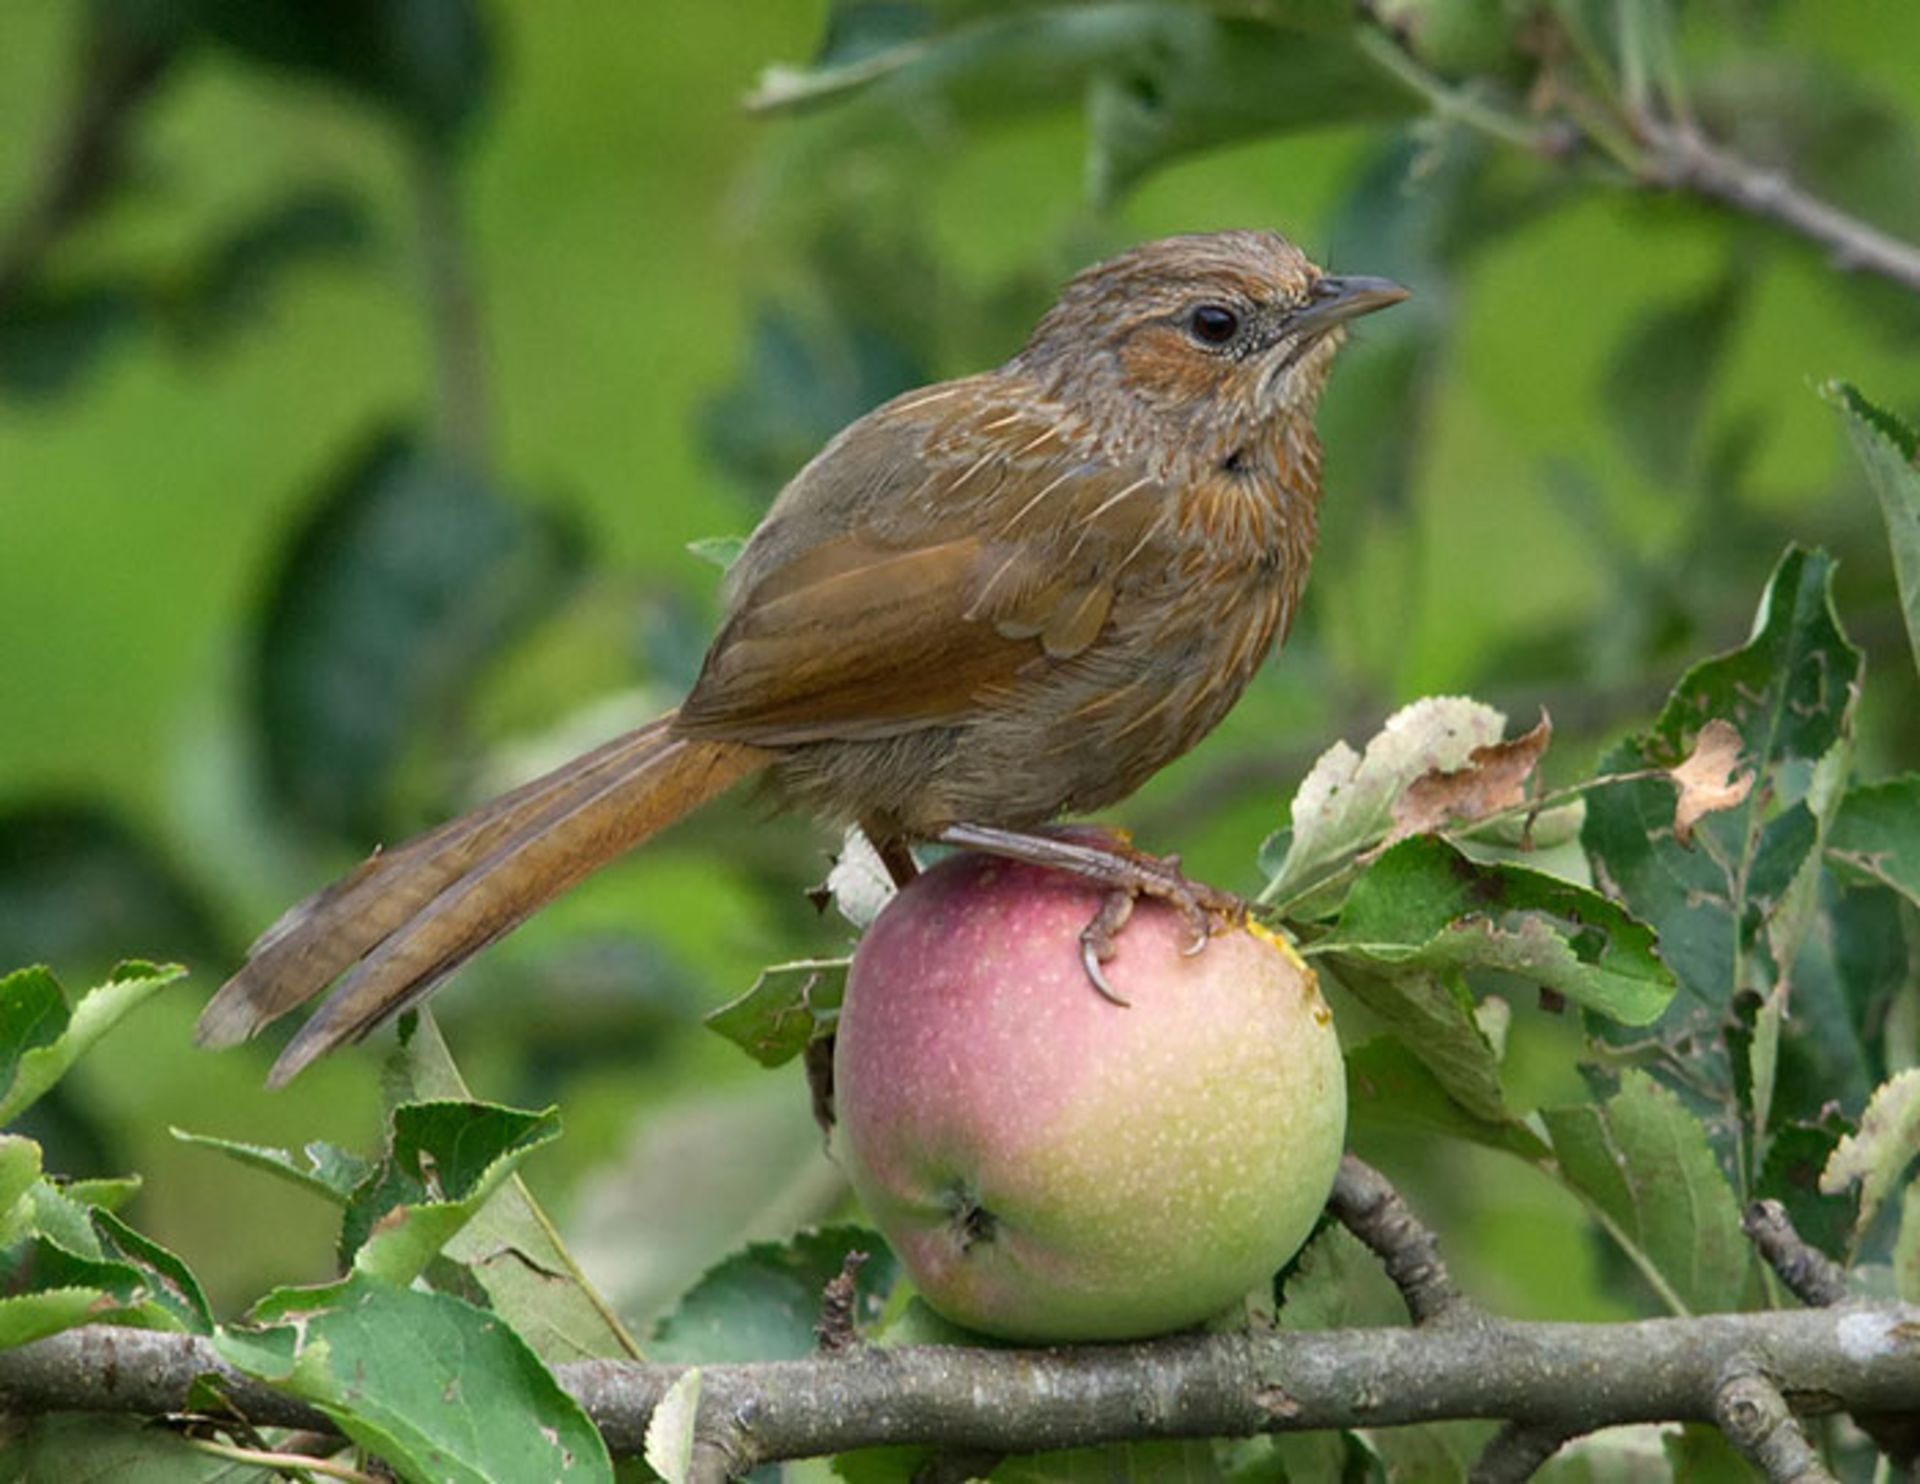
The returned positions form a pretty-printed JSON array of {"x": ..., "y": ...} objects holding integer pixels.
[{"x": 1213, "y": 324}]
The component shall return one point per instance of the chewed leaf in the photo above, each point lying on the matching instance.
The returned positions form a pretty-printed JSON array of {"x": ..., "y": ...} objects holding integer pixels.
[
  {"x": 42, "y": 1041},
  {"x": 329, "y": 1172},
  {"x": 1876, "y": 834},
  {"x": 1346, "y": 801},
  {"x": 789, "y": 1006},
  {"x": 1880, "y": 1151},
  {"x": 1494, "y": 778},
  {"x": 1707, "y": 780},
  {"x": 1643, "y": 1160},
  {"x": 437, "y": 1387},
  {"x": 446, "y": 1159},
  {"x": 1887, "y": 449},
  {"x": 1425, "y": 905}
]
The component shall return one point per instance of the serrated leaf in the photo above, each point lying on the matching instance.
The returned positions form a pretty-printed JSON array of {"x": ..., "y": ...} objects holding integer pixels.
[
  {"x": 42, "y": 1041},
  {"x": 1345, "y": 803},
  {"x": 1643, "y": 1162},
  {"x": 445, "y": 1159},
  {"x": 1432, "y": 1015},
  {"x": 1389, "y": 1087},
  {"x": 27, "y": 1317},
  {"x": 1877, "y": 1153},
  {"x": 1424, "y": 905},
  {"x": 763, "y": 1302},
  {"x": 1876, "y": 834},
  {"x": 1889, "y": 449},
  {"x": 1731, "y": 911},
  {"x": 510, "y": 1247},
  {"x": 407, "y": 576},
  {"x": 329, "y": 1172},
  {"x": 169, "y": 1282},
  {"x": 107, "y": 1192},
  {"x": 789, "y": 1006},
  {"x": 670, "y": 1437},
  {"x": 438, "y": 1388}
]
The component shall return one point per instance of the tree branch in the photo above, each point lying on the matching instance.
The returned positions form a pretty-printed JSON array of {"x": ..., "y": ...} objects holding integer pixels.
[
  {"x": 1757, "y": 1421},
  {"x": 1810, "y": 1275},
  {"x": 1565, "y": 1378},
  {"x": 1373, "y": 1211}
]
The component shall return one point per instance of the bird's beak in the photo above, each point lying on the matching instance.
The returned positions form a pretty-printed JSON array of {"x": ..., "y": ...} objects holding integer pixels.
[{"x": 1337, "y": 299}]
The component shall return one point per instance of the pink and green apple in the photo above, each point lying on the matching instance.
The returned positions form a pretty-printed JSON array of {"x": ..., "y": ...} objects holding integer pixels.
[{"x": 1051, "y": 1166}]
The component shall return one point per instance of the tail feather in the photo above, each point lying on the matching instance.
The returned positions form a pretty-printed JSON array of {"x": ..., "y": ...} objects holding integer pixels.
[{"x": 412, "y": 915}]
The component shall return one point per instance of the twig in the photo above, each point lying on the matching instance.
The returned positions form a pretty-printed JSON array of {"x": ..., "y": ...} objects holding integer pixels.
[
  {"x": 1811, "y": 1276},
  {"x": 1570, "y": 1377},
  {"x": 1756, "y": 1420},
  {"x": 262, "y": 1458},
  {"x": 1682, "y": 158},
  {"x": 837, "y": 1331},
  {"x": 1373, "y": 1211},
  {"x": 1515, "y": 1453}
]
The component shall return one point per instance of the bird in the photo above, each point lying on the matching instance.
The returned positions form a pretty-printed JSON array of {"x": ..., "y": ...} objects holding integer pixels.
[{"x": 984, "y": 605}]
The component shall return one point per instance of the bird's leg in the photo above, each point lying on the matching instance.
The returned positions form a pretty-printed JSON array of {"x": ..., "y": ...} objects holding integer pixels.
[
  {"x": 891, "y": 846},
  {"x": 1129, "y": 873}
]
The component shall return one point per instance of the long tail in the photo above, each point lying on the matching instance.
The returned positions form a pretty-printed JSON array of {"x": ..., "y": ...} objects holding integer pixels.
[{"x": 410, "y": 916}]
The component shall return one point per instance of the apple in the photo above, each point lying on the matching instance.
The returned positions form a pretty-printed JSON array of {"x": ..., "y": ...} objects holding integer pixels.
[{"x": 1052, "y": 1166}]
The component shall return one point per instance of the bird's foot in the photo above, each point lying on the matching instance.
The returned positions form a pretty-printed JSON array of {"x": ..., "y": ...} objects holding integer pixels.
[{"x": 1128, "y": 873}]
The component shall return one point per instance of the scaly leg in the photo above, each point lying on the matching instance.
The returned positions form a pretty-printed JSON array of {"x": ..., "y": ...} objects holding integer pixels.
[{"x": 1128, "y": 872}]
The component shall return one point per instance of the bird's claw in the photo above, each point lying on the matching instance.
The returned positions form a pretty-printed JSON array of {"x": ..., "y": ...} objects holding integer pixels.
[{"x": 1200, "y": 907}]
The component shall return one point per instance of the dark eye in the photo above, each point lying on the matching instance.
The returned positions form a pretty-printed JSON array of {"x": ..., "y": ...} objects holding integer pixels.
[{"x": 1213, "y": 324}]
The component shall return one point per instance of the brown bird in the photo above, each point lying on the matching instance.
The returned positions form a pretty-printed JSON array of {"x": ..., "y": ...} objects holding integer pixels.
[{"x": 982, "y": 606}]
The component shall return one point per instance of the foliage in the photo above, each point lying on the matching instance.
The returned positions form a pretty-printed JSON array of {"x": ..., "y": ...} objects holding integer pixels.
[{"x": 1657, "y": 986}]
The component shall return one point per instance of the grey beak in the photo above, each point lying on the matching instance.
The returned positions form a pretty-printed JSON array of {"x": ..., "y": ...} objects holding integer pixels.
[{"x": 1339, "y": 298}]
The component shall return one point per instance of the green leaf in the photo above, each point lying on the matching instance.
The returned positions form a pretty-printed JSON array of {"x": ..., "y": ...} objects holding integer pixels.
[
  {"x": 406, "y": 578},
  {"x": 509, "y": 1246},
  {"x": 1336, "y": 1283},
  {"x": 1876, "y": 834},
  {"x": 1432, "y": 1015},
  {"x": 170, "y": 1284},
  {"x": 445, "y": 1159},
  {"x": 789, "y": 1006},
  {"x": 1345, "y": 803},
  {"x": 1796, "y": 1155},
  {"x": 329, "y": 1172},
  {"x": 40, "y": 1041},
  {"x": 763, "y": 1302},
  {"x": 1389, "y": 1087},
  {"x": 27, "y": 1317},
  {"x": 1731, "y": 909},
  {"x": 1172, "y": 1460},
  {"x": 1879, "y": 1151},
  {"x": 669, "y": 1443},
  {"x": 19, "y": 1171},
  {"x": 1659, "y": 382},
  {"x": 1891, "y": 453},
  {"x": 1906, "y": 1247},
  {"x": 1424, "y": 905},
  {"x": 1644, "y": 1166},
  {"x": 441, "y": 1390},
  {"x": 89, "y": 1448}
]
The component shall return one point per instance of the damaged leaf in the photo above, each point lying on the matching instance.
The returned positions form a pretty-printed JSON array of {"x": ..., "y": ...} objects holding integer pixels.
[
  {"x": 1706, "y": 779},
  {"x": 789, "y": 1006},
  {"x": 1493, "y": 779},
  {"x": 1880, "y": 1151}
]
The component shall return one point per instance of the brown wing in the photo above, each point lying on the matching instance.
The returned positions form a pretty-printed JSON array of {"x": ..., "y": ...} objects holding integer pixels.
[{"x": 963, "y": 550}]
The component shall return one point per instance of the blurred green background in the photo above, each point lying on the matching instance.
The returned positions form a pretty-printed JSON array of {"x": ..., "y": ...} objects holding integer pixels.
[{"x": 366, "y": 370}]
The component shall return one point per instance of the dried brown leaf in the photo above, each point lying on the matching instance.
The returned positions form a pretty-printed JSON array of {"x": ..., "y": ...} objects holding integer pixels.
[
  {"x": 1494, "y": 778},
  {"x": 1706, "y": 779}
]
